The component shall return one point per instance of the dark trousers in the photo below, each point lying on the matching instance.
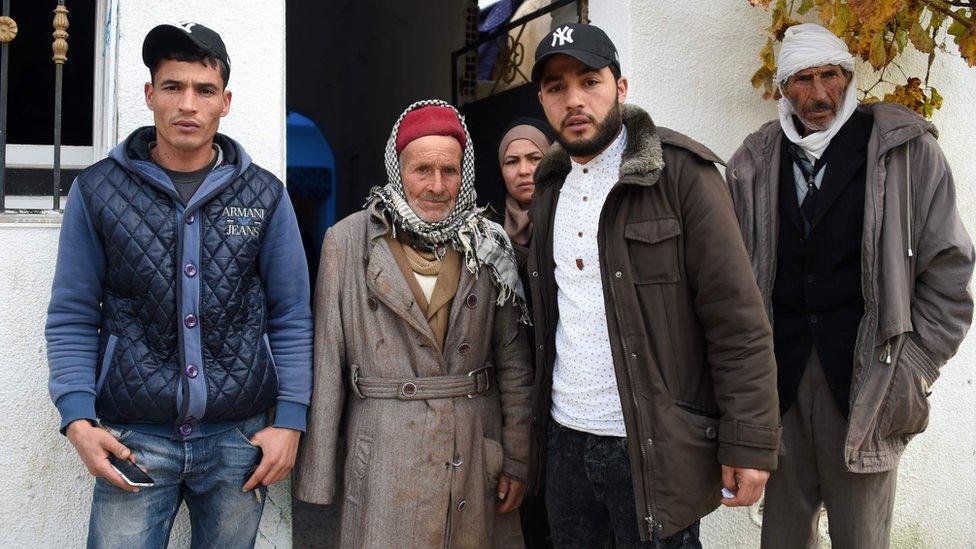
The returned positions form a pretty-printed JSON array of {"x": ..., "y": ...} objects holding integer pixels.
[{"x": 589, "y": 495}]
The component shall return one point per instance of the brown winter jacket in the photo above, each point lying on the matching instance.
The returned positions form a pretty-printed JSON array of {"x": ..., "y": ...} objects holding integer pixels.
[
  {"x": 417, "y": 472},
  {"x": 916, "y": 262},
  {"x": 691, "y": 346}
]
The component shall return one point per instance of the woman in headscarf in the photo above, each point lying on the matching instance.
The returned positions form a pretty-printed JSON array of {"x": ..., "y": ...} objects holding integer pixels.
[{"x": 521, "y": 149}]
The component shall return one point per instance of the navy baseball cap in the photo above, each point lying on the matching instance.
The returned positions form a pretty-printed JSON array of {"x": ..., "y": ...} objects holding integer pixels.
[
  {"x": 165, "y": 39},
  {"x": 587, "y": 43}
]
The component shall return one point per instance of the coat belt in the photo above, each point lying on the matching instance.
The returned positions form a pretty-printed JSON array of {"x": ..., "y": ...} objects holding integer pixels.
[{"x": 471, "y": 385}]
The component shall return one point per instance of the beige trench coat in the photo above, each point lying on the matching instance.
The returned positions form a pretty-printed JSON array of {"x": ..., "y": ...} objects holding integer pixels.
[{"x": 417, "y": 473}]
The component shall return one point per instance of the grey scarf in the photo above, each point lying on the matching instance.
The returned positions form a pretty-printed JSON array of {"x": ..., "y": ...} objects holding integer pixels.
[{"x": 482, "y": 243}]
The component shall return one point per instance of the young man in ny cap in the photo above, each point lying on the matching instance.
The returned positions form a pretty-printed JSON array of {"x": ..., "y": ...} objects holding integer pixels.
[
  {"x": 655, "y": 381},
  {"x": 179, "y": 315}
]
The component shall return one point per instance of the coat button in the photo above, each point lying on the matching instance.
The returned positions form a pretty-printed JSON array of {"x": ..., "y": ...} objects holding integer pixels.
[
  {"x": 457, "y": 460},
  {"x": 371, "y": 302},
  {"x": 542, "y": 347},
  {"x": 190, "y": 320},
  {"x": 618, "y": 274},
  {"x": 190, "y": 219},
  {"x": 472, "y": 301},
  {"x": 462, "y": 504},
  {"x": 810, "y": 279},
  {"x": 710, "y": 432},
  {"x": 813, "y": 319},
  {"x": 408, "y": 389},
  {"x": 535, "y": 274},
  {"x": 464, "y": 349},
  {"x": 190, "y": 270},
  {"x": 192, "y": 371},
  {"x": 650, "y": 441}
]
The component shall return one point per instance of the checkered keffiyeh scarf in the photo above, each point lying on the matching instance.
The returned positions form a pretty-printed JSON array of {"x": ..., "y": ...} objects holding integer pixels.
[{"x": 482, "y": 243}]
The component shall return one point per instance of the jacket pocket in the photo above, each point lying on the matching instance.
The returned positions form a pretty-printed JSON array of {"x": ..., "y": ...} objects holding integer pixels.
[
  {"x": 494, "y": 460},
  {"x": 357, "y": 466},
  {"x": 653, "y": 248},
  {"x": 106, "y": 362},
  {"x": 906, "y": 408}
]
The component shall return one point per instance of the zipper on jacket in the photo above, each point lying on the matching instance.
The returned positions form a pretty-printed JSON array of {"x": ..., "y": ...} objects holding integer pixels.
[
  {"x": 886, "y": 354},
  {"x": 908, "y": 193},
  {"x": 653, "y": 527}
]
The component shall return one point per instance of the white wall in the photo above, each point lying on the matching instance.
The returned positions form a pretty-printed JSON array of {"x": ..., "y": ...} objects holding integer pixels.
[
  {"x": 46, "y": 493},
  {"x": 689, "y": 65}
]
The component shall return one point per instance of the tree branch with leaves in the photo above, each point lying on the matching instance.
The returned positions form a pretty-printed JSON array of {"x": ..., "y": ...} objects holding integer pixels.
[{"x": 878, "y": 31}]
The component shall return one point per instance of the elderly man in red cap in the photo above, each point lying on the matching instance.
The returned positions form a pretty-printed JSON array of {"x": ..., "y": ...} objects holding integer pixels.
[{"x": 420, "y": 345}]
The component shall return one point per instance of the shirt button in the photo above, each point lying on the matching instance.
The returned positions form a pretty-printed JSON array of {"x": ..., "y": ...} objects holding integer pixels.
[
  {"x": 585, "y": 198},
  {"x": 371, "y": 302},
  {"x": 535, "y": 274},
  {"x": 186, "y": 429},
  {"x": 190, "y": 320},
  {"x": 190, "y": 219},
  {"x": 580, "y": 234},
  {"x": 192, "y": 371},
  {"x": 650, "y": 441},
  {"x": 586, "y": 170},
  {"x": 813, "y": 319},
  {"x": 541, "y": 347},
  {"x": 462, "y": 504},
  {"x": 633, "y": 356},
  {"x": 457, "y": 460},
  {"x": 190, "y": 270}
]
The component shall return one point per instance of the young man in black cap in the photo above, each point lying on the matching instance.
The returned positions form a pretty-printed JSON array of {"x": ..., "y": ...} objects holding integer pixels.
[
  {"x": 179, "y": 316},
  {"x": 655, "y": 381}
]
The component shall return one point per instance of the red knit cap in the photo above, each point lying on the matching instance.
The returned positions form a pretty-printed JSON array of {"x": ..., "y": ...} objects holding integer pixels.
[{"x": 429, "y": 120}]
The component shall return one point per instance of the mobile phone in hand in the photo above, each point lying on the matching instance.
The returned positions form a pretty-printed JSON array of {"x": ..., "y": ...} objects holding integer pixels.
[{"x": 132, "y": 475}]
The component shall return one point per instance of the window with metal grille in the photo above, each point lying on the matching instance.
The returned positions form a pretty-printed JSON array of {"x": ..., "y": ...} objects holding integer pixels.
[{"x": 30, "y": 115}]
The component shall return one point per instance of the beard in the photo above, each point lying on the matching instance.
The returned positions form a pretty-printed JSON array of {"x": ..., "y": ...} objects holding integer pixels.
[
  {"x": 606, "y": 131},
  {"x": 812, "y": 126}
]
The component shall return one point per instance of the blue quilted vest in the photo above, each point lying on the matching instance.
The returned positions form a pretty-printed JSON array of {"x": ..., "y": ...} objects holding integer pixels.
[{"x": 183, "y": 336}]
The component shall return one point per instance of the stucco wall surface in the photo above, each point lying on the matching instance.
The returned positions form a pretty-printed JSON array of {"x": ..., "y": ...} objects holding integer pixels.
[
  {"x": 689, "y": 65},
  {"x": 46, "y": 496}
]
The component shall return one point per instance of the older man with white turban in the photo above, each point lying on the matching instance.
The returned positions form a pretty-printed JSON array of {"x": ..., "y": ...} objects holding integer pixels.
[{"x": 849, "y": 215}]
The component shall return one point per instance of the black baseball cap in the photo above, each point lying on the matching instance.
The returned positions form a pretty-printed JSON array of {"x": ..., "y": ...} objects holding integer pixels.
[
  {"x": 165, "y": 39},
  {"x": 587, "y": 43}
]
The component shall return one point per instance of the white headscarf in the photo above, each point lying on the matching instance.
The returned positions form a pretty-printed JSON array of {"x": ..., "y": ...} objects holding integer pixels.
[{"x": 805, "y": 46}]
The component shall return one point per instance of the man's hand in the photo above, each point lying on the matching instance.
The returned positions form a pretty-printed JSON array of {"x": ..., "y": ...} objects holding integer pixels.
[
  {"x": 510, "y": 493},
  {"x": 93, "y": 445},
  {"x": 278, "y": 448},
  {"x": 748, "y": 485}
]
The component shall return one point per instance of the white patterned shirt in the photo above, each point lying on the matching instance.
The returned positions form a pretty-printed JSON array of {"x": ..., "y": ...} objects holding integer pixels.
[{"x": 584, "y": 385}]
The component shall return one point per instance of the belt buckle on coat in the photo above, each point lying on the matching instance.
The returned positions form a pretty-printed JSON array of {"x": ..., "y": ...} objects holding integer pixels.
[{"x": 486, "y": 372}]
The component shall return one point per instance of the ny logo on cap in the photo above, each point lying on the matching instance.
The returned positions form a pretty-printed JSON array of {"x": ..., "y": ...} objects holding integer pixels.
[
  {"x": 564, "y": 35},
  {"x": 187, "y": 26}
]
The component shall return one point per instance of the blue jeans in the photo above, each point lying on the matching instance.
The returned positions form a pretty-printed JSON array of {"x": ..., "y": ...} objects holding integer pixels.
[
  {"x": 207, "y": 473},
  {"x": 590, "y": 495}
]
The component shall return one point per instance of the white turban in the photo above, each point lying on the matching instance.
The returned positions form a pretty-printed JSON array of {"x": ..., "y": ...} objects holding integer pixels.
[{"x": 805, "y": 46}]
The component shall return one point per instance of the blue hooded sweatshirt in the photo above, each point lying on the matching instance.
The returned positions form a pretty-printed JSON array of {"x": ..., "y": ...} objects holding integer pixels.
[{"x": 179, "y": 320}]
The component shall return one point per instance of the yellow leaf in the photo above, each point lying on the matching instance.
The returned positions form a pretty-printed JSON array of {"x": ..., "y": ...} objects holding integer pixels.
[
  {"x": 875, "y": 14},
  {"x": 967, "y": 47},
  {"x": 921, "y": 38},
  {"x": 878, "y": 55}
]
